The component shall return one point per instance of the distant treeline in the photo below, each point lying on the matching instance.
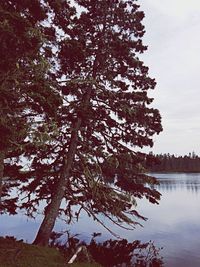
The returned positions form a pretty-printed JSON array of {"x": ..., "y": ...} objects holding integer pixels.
[{"x": 172, "y": 163}]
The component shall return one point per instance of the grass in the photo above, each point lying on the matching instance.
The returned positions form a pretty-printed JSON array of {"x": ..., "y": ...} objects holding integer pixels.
[{"x": 18, "y": 254}]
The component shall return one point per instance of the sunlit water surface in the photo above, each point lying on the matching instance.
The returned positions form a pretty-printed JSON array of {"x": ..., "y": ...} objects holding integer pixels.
[{"x": 174, "y": 224}]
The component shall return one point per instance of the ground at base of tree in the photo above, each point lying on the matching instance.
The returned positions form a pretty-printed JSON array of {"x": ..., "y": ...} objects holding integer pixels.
[{"x": 19, "y": 254}]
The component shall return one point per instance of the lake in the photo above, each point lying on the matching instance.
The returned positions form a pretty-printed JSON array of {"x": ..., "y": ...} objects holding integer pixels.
[{"x": 174, "y": 224}]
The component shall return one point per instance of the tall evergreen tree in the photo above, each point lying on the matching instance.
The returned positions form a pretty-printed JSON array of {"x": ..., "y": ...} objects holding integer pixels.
[{"x": 104, "y": 118}]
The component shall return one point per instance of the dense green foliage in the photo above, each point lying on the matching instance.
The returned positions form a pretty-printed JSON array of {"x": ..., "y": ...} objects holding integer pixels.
[
  {"x": 26, "y": 87},
  {"x": 28, "y": 94},
  {"x": 171, "y": 163},
  {"x": 75, "y": 67},
  {"x": 104, "y": 117}
]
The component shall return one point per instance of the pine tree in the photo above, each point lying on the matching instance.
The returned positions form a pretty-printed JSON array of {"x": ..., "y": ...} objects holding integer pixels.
[{"x": 105, "y": 115}]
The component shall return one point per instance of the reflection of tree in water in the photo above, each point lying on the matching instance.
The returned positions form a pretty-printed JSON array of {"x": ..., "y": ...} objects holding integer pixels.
[
  {"x": 112, "y": 252},
  {"x": 192, "y": 185}
]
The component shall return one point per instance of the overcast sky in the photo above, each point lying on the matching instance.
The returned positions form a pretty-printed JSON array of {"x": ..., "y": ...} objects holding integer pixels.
[{"x": 173, "y": 56}]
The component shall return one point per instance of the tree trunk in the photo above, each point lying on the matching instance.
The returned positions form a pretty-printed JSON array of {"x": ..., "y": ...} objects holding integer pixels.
[
  {"x": 52, "y": 211},
  {"x": 2, "y": 157}
]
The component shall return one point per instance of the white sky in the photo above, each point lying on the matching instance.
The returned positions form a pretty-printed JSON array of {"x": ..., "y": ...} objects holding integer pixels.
[{"x": 173, "y": 56}]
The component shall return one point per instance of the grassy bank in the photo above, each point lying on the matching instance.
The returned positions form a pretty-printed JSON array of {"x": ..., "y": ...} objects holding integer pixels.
[{"x": 18, "y": 254}]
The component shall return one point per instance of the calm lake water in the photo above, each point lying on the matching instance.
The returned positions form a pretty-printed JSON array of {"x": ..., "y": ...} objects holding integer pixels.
[{"x": 174, "y": 224}]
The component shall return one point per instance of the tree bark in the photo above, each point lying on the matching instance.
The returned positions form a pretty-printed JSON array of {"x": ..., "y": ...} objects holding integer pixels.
[
  {"x": 43, "y": 235},
  {"x": 52, "y": 210},
  {"x": 2, "y": 157}
]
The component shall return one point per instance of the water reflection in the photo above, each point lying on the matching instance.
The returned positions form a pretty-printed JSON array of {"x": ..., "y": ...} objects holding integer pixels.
[
  {"x": 169, "y": 185},
  {"x": 174, "y": 224},
  {"x": 170, "y": 182}
]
